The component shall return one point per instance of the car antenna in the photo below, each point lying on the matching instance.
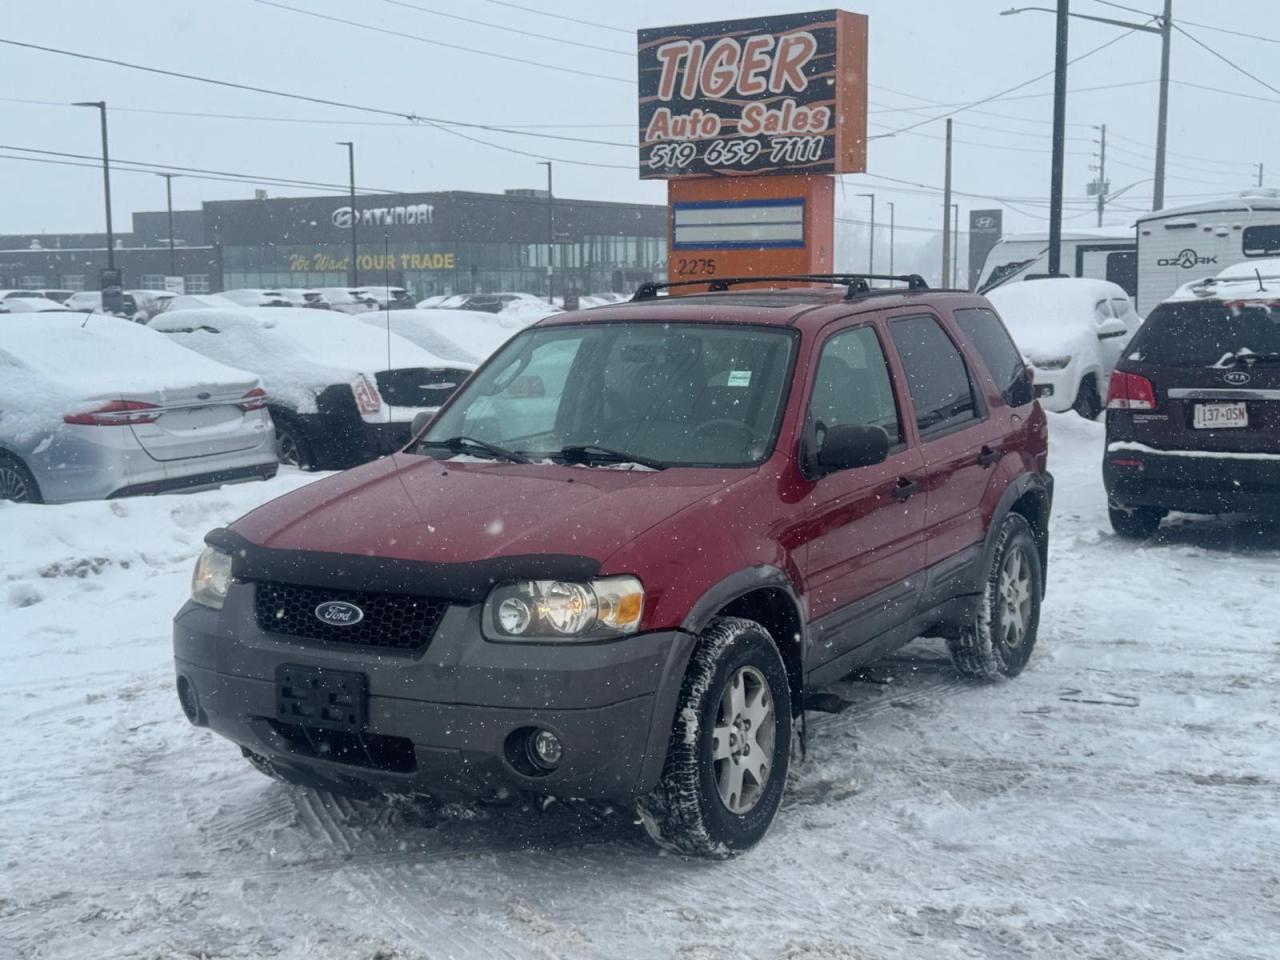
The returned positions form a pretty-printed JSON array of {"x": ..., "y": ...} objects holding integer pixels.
[{"x": 1262, "y": 287}]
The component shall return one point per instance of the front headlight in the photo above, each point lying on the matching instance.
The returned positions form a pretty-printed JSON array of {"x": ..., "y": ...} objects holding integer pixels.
[
  {"x": 211, "y": 578},
  {"x": 1051, "y": 363},
  {"x": 564, "y": 610}
]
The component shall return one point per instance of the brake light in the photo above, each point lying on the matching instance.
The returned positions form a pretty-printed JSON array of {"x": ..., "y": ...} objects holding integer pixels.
[
  {"x": 255, "y": 399},
  {"x": 116, "y": 413},
  {"x": 367, "y": 399},
  {"x": 1128, "y": 391}
]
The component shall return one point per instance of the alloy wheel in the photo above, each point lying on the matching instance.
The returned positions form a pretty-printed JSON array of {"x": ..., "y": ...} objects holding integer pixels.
[
  {"x": 287, "y": 449},
  {"x": 743, "y": 740},
  {"x": 13, "y": 485},
  {"x": 1015, "y": 599}
]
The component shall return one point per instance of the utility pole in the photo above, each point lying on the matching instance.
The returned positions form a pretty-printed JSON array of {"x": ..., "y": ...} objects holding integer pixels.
[
  {"x": 551, "y": 230},
  {"x": 168, "y": 196},
  {"x": 1162, "y": 123},
  {"x": 1059, "y": 141},
  {"x": 946, "y": 212},
  {"x": 955, "y": 232},
  {"x": 891, "y": 214},
  {"x": 871, "y": 242},
  {"x": 351, "y": 172},
  {"x": 1100, "y": 185},
  {"x": 106, "y": 178}
]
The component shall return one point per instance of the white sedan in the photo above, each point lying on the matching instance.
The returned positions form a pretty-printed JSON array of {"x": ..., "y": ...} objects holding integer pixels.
[{"x": 1072, "y": 330}]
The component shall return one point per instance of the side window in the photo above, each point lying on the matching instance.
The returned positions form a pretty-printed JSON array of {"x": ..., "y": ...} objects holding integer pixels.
[
  {"x": 1004, "y": 361},
  {"x": 852, "y": 387},
  {"x": 937, "y": 377},
  {"x": 1121, "y": 307},
  {"x": 1261, "y": 241},
  {"x": 1102, "y": 311}
]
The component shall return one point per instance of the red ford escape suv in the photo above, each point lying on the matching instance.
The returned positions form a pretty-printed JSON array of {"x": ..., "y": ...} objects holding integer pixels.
[
  {"x": 1193, "y": 409},
  {"x": 619, "y": 557}
]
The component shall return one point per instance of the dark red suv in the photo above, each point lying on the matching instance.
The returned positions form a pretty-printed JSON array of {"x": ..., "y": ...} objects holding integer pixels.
[
  {"x": 619, "y": 557},
  {"x": 1193, "y": 410}
]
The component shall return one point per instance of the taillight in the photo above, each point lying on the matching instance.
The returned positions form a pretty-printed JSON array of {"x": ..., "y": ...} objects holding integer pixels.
[
  {"x": 116, "y": 413},
  {"x": 367, "y": 399},
  {"x": 1128, "y": 391},
  {"x": 255, "y": 399}
]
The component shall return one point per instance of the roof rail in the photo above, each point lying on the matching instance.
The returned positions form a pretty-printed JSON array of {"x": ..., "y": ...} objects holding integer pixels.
[{"x": 857, "y": 283}]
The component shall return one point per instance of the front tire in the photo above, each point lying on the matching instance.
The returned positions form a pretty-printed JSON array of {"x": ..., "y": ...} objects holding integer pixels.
[
  {"x": 999, "y": 642},
  {"x": 730, "y": 749},
  {"x": 16, "y": 482},
  {"x": 1136, "y": 523}
]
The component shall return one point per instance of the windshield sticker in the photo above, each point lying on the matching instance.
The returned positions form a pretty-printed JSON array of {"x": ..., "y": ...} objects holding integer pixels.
[{"x": 739, "y": 378}]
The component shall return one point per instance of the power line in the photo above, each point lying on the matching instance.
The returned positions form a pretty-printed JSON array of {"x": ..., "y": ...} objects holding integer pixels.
[
  {"x": 441, "y": 43},
  {"x": 410, "y": 117},
  {"x": 560, "y": 16},
  {"x": 1193, "y": 23},
  {"x": 1185, "y": 156},
  {"x": 985, "y": 113},
  {"x": 1227, "y": 60},
  {"x": 1230, "y": 93},
  {"x": 1026, "y": 83},
  {"x": 516, "y": 30}
]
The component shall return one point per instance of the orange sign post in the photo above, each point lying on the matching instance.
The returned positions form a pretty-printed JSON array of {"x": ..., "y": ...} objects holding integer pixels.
[{"x": 750, "y": 120}]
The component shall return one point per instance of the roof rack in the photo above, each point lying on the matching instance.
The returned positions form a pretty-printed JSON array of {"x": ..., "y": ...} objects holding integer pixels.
[{"x": 856, "y": 282}]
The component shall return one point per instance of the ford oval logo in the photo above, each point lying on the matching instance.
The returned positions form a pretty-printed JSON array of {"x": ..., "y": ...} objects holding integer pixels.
[
  {"x": 1236, "y": 377},
  {"x": 339, "y": 613}
]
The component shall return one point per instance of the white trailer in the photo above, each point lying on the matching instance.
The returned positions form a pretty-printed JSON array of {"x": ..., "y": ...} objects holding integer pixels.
[
  {"x": 1104, "y": 253},
  {"x": 1177, "y": 246}
]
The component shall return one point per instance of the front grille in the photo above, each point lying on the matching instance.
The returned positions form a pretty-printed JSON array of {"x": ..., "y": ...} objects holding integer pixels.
[
  {"x": 391, "y": 620},
  {"x": 419, "y": 387}
]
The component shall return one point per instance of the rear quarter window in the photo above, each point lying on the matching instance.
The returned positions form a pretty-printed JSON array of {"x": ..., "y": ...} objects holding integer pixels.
[{"x": 991, "y": 340}]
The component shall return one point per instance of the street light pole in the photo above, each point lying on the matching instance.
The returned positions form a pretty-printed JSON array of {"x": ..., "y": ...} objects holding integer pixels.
[
  {"x": 1059, "y": 140},
  {"x": 168, "y": 196},
  {"x": 891, "y": 214},
  {"x": 351, "y": 173},
  {"x": 871, "y": 243},
  {"x": 101, "y": 105},
  {"x": 551, "y": 232}
]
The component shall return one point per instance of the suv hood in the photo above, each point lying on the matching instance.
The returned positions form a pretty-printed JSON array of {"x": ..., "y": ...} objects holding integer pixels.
[{"x": 445, "y": 511}]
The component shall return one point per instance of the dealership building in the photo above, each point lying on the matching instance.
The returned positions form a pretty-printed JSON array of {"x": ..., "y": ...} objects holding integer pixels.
[{"x": 432, "y": 243}]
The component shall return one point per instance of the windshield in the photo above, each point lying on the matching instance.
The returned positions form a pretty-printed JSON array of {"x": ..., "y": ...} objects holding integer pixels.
[
  {"x": 1205, "y": 333},
  {"x": 677, "y": 394}
]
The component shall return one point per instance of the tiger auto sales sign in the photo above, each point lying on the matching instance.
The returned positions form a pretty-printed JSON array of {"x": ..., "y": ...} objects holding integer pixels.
[{"x": 768, "y": 95}]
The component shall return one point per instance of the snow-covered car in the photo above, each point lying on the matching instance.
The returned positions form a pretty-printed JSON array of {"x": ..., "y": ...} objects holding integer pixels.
[
  {"x": 59, "y": 295},
  {"x": 246, "y": 297},
  {"x": 151, "y": 302},
  {"x": 490, "y": 303},
  {"x": 466, "y": 335},
  {"x": 32, "y": 305},
  {"x": 99, "y": 406},
  {"x": 1072, "y": 330},
  {"x": 199, "y": 301},
  {"x": 348, "y": 299},
  {"x": 335, "y": 399},
  {"x": 390, "y": 298},
  {"x": 299, "y": 297},
  {"x": 90, "y": 301}
]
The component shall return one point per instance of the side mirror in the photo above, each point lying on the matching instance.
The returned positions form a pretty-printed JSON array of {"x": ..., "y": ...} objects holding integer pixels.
[
  {"x": 1111, "y": 328},
  {"x": 848, "y": 446},
  {"x": 420, "y": 422},
  {"x": 1022, "y": 391}
]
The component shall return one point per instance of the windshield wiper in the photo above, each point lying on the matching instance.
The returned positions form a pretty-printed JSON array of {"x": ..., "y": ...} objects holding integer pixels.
[
  {"x": 587, "y": 453},
  {"x": 460, "y": 444}
]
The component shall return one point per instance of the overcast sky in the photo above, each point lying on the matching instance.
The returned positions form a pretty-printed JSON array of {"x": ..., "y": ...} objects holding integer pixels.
[{"x": 922, "y": 51}]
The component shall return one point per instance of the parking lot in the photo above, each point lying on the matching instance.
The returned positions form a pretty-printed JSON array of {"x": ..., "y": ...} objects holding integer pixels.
[{"x": 1117, "y": 800}]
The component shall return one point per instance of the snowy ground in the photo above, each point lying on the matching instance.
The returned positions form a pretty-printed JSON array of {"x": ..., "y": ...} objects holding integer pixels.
[{"x": 1119, "y": 800}]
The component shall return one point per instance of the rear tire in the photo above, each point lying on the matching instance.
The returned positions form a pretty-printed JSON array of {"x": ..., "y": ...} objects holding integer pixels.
[
  {"x": 999, "y": 642},
  {"x": 16, "y": 482},
  {"x": 1088, "y": 401},
  {"x": 293, "y": 447},
  {"x": 1136, "y": 523},
  {"x": 727, "y": 759}
]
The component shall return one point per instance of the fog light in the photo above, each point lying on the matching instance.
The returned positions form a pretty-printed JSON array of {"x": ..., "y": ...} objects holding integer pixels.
[{"x": 545, "y": 749}]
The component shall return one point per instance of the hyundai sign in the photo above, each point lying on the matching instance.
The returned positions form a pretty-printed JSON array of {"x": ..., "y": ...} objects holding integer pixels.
[{"x": 767, "y": 95}]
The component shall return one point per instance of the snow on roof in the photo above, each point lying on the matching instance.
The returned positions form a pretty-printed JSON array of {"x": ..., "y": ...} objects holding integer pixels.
[
  {"x": 467, "y": 336},
  {"x": 1248, "y": 200},
  {"x": 97, "y": 355},
  {"x": 1094, "y": 233},
  {"x": 1250, "y": 269},
  {"x": 199, "y": 301}
]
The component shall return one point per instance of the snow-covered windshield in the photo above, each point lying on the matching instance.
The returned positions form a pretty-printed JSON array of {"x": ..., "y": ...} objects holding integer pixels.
[
  {"x": 680, "y": 394},
  {"x": 1203, "y": 333}
]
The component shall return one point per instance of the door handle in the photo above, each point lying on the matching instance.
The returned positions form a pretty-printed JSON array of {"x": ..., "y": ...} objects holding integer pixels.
[
  {"x": 904, "y": 488},
  {"x": 987, "y": 456}
]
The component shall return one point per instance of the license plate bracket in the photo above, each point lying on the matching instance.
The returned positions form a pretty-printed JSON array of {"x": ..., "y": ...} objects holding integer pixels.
[
  {"x": 1220, "y": 416},
  {"x": 319, "y": 697}
]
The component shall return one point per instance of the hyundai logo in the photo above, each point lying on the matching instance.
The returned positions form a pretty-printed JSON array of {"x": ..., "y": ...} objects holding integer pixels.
[
  {"x": 1236, "y": 378},
  {"x": 339, "y": 613}
]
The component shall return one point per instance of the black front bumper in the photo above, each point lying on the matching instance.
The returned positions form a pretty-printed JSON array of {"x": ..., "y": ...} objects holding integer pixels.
[
  {"x": 1192, "y": 481},
  {"x": 446, "y": 720}
]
